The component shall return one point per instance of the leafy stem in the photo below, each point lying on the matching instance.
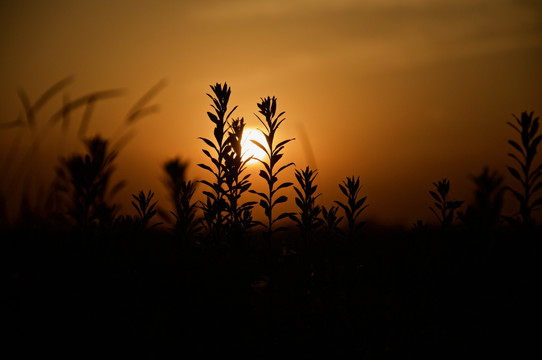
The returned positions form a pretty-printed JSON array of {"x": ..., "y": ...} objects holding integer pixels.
[
  {"x": 269, "y": 173},
  {"x": 445, "y": 208},
  {"x": 530, "y": 179},
  {"x": 354, "y": 206}
]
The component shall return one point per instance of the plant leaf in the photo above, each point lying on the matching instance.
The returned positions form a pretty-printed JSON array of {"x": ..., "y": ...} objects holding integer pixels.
[
  {"x": 516, "y": 146},
  {"x": 282, "y": 168},
  {"x": 280, "y": 199},
  {"x": 284, "y": 215},
  {"x": 434, "y": 195},
  {"x": 213, "y": 116},
  {"x": 264, "y": 175},
  {"x": 515, "y": 173},
  {"x": 208, "y": 142},
  {"x": 255, "y": 142},
  {"x": 536, "y": 203},
  {"x": 206, "y": 167}
]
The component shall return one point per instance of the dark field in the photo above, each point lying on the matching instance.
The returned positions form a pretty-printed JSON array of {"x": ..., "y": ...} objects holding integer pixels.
[{"x": 386, "y": 294}]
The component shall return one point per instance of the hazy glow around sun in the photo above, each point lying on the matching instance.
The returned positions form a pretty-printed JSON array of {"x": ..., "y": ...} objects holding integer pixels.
[{"x": 249, "y": 148}]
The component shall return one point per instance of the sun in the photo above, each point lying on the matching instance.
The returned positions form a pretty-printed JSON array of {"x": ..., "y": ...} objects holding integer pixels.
[{"x": 249, "y": 148}]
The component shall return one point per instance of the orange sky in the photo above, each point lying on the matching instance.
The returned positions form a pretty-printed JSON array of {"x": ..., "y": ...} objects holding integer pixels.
[{"x": 399, "y": 93}]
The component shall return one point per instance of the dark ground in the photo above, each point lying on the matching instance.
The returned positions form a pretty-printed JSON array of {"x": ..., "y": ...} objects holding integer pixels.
[{"x": 390, "y": 294}]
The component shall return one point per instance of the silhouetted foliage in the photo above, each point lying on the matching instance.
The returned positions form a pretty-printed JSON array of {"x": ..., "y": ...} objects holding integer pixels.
[
  {"x": 331, "y": 221},
  {"x": 144, "y": 208},
  {"x": 419, "y": 227},
  {"x": 307, "y": 219},
  {"x": 445, "y": 208},
  {"x": 528, "y": 175},
  {"x": 485, "y": 212},
  {"x": 215, "y": 204},
  {"x": 84, "y": 180},
  {"x": 29, "y": 124},
  {"x": 354, "y": 205},
  {"x": 268, "y": 201},
  {"x": 236, "y": 180},
  {"x": 181, "y": 192}
]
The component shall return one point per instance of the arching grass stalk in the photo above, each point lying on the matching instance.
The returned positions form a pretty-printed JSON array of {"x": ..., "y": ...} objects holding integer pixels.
[
  {"x": 239, "y": 214},
  {"x": 268, "y": 201},
  {"x": 527, "y": 175},
  {"x": 215, "y": 204},
  {"x": 354, "y": 206},
  {"x": 307, "y": 219}
]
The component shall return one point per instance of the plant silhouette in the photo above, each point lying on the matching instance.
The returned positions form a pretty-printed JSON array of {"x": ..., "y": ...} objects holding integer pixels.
[
  {"x": 485, "y": 212},
  {"x": 445, "y": 208},
  {"x": 144, "y": 208},
  {"x": 331, "y": 221},
  {"x": 419, "y": 228},
  {"x": 215, "y": 204},
  {"x": 273, "y": 151},
  {"x": 85, "y": 180},
  {"x": 526, "y": 172},
  {"x": 236, "y": 181},
  {"x": 354, "y": 205},
  {"x": 307, "y": 219},
  {"x": 181, "y": 192}
]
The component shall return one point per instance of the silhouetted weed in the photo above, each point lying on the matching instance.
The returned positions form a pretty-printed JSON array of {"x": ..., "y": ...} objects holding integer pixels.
[
  {"x": 419, "y": 228},
  {"x": 354, "y": 206},
  {"x": 181, "y": 192},
  {"x": 446, "y": 208},
  {"x": 236, "y": 180},
  {"x": 307, "y": 219},
  {"x": 144, "y": 208},
  {"x": 331, "y": 221},
  {"x": 268, "y": 201},
  {"x": 85, "y": 180},
  {"x": 528, "y": 175},
  {"x": 215, "y": 204},
  {"x": 485, "y": 212}
]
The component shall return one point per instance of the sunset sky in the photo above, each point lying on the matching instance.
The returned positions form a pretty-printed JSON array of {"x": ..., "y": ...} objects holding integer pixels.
[{"x": 401, "y": 93}]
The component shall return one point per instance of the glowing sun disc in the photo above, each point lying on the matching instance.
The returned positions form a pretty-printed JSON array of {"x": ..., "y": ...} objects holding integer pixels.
[{"x": 249, "y": 148}]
